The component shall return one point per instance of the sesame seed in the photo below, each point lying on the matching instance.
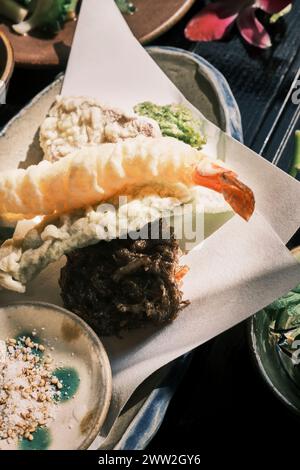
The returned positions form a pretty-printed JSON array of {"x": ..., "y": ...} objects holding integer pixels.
[{"x": 33, "y": 398}]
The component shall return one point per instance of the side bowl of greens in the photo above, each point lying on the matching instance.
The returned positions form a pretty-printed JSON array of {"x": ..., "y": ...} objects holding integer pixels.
[{"x": 274, "y": 337}]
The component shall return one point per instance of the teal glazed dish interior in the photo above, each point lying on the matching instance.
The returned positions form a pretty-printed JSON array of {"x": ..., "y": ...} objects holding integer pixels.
[{"x": 79, "y": 365}]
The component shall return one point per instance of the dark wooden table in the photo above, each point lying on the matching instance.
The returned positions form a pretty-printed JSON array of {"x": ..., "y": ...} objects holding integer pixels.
[
  {"x": 222, "y": 404},
  {"x": 223, "y": 409}
]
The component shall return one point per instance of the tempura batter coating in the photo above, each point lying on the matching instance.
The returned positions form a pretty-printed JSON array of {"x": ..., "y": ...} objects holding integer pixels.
[
  {"x": 75, "y": 122},
  {"x": 162, "y": 165}
]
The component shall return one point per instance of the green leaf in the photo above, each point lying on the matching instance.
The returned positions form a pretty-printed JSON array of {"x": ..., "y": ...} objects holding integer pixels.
[
  {"x": 296, "y": 160},
  {"x": 275, "y": 17},
  {"x": 126, "y": 6},
  {"x": 292, "y": 298},
  {"x": 296, "y": 289}
]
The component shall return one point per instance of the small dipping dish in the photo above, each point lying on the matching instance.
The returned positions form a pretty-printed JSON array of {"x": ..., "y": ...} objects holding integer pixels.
[{"x": 80, "y": 362}]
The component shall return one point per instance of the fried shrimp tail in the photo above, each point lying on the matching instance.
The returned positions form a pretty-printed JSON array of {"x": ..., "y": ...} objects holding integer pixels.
[{"x": 239, "y": 196}]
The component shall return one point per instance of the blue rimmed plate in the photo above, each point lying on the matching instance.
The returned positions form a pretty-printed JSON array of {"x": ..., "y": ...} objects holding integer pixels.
[{"x": 208, "y": 90}]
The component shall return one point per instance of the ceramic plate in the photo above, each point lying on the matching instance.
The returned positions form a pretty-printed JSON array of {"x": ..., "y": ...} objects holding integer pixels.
[
  {"x": 207, "y": 89},
  {"x": 270, "y": 344},
  {"x": 78, "y": 360},
  {"x": 272, "y": 363}
]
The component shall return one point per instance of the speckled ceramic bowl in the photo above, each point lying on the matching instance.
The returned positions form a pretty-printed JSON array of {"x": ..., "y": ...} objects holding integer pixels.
[
  {"x": 79, "y": 360},
  {"x": 270, "y": 363},
  {"x": 275, "y": 367}
]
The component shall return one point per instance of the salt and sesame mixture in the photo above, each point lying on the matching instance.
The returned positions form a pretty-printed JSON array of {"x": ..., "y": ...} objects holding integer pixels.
[{"x": 29, "y": 390}]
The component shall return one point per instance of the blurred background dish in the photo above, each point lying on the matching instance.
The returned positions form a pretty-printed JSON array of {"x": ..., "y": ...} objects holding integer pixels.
[
  {"x": 6, "y": 64},
  {"x": 36, "y": 50},
  {"x": 160, "y": 16},
  {"x": 151, "y": 19}
]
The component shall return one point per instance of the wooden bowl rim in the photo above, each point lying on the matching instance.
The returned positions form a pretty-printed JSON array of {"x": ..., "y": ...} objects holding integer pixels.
[{"x": 9, "y": 59}]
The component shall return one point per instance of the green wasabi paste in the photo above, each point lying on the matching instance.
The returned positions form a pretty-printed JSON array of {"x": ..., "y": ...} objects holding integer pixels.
[{"x": 174, "y": 121}]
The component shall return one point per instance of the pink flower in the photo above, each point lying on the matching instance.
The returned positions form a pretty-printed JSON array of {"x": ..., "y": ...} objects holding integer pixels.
[{"x": 216, "y": 19}]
